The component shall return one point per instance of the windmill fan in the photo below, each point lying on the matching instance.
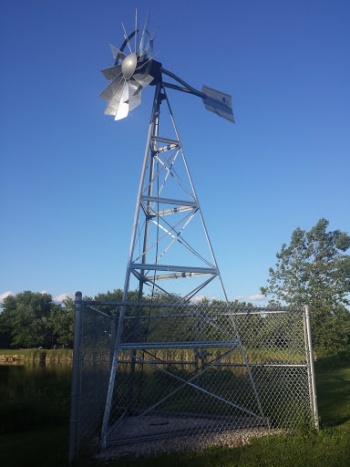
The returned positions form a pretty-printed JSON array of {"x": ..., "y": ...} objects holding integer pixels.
[
  {"x": 137, "y": 69},
  {"x": 129, "y": 74}
]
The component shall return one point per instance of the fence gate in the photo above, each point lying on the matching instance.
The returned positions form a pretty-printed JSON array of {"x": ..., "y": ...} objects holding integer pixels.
[{"x": 195, "y": 390}]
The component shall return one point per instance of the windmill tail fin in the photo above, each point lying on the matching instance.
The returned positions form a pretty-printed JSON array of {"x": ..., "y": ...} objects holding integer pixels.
[{"x": 218, "y": 102}]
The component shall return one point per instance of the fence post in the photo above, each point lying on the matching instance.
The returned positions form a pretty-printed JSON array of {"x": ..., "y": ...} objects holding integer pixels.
[
  {"x": 76, "y": 376},
  {"x": 114, "y": 321},
  {"x": 310, "y": 367}
]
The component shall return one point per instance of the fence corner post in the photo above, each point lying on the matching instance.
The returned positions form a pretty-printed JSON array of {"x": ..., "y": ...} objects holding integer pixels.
[
  {"x": 76, "y": 376},
  {"x": 311, "y": 367}
]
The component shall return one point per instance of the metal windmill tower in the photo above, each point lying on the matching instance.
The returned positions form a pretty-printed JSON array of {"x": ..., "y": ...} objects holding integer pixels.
[
  {"x": 170, "y": 244},
  {"x": 169, "y": 240}
]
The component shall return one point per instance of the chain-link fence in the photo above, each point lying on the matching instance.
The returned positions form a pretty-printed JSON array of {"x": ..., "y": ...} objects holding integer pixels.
[{"x": 150, "y": 377}]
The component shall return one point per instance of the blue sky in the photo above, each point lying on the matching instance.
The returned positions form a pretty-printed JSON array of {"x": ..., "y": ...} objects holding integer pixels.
[{"x": 69, "y": 174}]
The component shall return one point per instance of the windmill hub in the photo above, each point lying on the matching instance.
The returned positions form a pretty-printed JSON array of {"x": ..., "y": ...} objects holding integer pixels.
[{"x": 129, "y": 65}]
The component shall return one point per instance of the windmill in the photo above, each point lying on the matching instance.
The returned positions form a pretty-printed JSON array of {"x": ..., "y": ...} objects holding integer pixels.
[
  {"x": 170, "y": 244},
  {"x": 164, "y": 230}
]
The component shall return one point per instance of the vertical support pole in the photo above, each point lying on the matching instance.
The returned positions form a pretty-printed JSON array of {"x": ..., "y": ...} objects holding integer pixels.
[
  {"x": 310, "y": 367},
  {"x": 114, "y": 321},
  {"x": 76, "y": 380},
  {"x": 196, "y": 338}
]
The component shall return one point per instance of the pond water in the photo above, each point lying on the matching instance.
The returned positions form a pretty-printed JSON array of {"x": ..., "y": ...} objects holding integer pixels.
[
  {"x": 23, "y": 373},
  {"x": 33, "y": 394}
]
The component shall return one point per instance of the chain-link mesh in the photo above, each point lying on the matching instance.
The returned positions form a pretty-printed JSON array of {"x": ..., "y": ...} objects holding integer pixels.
[{"x": 188, "y": 376}]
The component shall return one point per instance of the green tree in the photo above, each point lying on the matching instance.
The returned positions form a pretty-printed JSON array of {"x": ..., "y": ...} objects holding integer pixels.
[
  {"x": 314, "y": 269},
  {"x": 25, "y": 319},
  {"x": 62, "y": 322}
]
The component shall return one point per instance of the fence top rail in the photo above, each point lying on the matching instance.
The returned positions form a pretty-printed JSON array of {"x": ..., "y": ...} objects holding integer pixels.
[{"x": 196, "y": 306}]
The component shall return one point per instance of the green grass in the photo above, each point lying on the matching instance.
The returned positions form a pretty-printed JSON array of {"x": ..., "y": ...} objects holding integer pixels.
[
  {"x": 313, "y": 450},
  {"x": 333, "y": 388},
  {"x": 43, "y": 441}
]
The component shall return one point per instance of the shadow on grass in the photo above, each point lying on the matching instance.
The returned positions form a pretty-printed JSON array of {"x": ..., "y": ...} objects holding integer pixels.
[{"x": 333, "y": 389}]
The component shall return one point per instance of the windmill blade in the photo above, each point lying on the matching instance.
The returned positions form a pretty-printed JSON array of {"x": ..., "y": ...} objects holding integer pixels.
[
  {"x": 124, "y": 106},
  {"x": 112, "y": 72},
  {"x": 114, "y": 89},
  {"x": 141, "y": 46},
  {"x": 136, "y": 31},
  {"x": 119, "y": 104},
  {"x": 127, "y": 39},
  {"x": 146, "y": 41},
  {"x": 143, "y": 79},
  {"x": 148, "y": 47},
  {"x": 134, "y": 95},
  {"x": 218, "y": 102},
  {"x": 110, "y": 110},
  {"x": 117, "y": 54},
  {"x": 134, "y": 102}
]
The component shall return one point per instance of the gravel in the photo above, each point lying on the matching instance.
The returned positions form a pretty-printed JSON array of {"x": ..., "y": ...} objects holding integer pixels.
[{"x": 148, "y": 435}]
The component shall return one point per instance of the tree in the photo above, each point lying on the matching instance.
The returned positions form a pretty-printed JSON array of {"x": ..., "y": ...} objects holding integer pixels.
[
  {"x": 62, "y": 322},
  {"x": 314, "y": 269},
  {"x": 25, "y": 319},
  {"x": 32, "y": 319}
]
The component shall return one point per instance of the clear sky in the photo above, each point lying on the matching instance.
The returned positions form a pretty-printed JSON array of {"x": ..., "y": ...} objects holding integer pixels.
[{"x": 69, "y": 174}]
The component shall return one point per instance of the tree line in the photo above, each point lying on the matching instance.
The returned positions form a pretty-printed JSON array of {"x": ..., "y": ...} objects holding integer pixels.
[
  {"x": 32, "y": 319},
  {"x": 314, "y": 269}
]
